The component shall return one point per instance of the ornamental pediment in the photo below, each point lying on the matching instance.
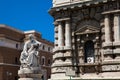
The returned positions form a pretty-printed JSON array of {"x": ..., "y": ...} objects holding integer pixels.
[{"x": 87, "y": 30}]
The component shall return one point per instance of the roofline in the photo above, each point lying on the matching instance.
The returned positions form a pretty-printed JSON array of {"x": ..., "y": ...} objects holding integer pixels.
[
  {"x": 11, "y": 28},
  {"x": 31, "y": 31}
]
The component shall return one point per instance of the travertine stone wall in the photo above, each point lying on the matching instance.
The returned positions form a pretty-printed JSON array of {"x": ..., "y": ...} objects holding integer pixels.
[{"x": 95, "y": 21}]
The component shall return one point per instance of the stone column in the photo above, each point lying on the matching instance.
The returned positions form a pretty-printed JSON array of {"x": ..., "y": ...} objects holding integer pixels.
[
  {"x": 60, "y": 35},
  {"x": 107, "y": 29},
  {"x": 56, "y": 33},
  {"x": 116, "y": 27},
  {"x": 67, "y": 34}
]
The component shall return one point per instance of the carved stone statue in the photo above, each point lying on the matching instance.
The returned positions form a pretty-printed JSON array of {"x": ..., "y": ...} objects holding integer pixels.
[
  {"x": 29, "y": 56},
  {"x": 30, "y": 59}
]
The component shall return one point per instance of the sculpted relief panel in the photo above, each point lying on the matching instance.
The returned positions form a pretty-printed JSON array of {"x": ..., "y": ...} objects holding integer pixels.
[{"x": 88, "y": 23}]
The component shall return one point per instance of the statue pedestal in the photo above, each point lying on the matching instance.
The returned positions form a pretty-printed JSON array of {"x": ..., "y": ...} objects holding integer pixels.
[
  {"x": 30, "y": 74},
  {"x": 34, "y": 77},
  {"x": 30, "y": 68},
  {"x": 29, "y": 79}
]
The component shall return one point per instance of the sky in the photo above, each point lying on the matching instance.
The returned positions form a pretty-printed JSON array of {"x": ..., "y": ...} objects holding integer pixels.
[{"x": 28, "y": 15}]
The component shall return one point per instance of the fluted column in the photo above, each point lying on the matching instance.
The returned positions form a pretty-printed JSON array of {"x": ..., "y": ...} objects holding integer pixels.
[
  {"x": 67, "y": 34},
  {"x": 60, "y": 35},
  {"x": 116, "y": 27},
  {"x": 107, "y": 28}
]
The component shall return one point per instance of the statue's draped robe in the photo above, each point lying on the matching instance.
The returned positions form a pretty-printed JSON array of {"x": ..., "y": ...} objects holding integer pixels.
[{"x": 29, "y": 56}]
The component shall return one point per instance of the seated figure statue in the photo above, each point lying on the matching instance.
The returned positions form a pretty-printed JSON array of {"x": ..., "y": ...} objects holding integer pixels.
[{"x": 30, "y": 55}]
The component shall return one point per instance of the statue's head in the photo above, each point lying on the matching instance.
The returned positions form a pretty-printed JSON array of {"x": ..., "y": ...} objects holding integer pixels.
[{"x": 31, "y": 37}]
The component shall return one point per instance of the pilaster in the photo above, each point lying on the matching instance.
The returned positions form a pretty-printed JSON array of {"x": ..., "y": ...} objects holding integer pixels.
[
  {"x": 60, "y": 35},
  {"x": 116, "y": 28},
  {"x": 107, "y": 29},
  {"x": 67, "y": 34}
]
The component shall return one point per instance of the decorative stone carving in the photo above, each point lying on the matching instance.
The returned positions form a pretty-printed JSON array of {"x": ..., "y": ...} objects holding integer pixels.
[{"x": 88, "y": 22}]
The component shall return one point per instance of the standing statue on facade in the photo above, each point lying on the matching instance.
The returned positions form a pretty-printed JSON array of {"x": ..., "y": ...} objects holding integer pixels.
[{"x": 29, "y": 58}]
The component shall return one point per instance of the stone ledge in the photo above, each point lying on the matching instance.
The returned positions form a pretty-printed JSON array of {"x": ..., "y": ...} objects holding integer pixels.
[
  {"x": 117, "y": 51},
  {"x": 110, "y": 62},
  {"x": 59, "y": 56},
  {"x": 88, "y": 76},
  {"x": 62, "y": 48},
  {"x": 30, "y": 75},
  {"x": 108, "y": 51},
  {"x": 114, "y": 51},
  {"x": 89, "y": 64},
  {"x": 63, "y": 64},
  {"x": 29, "y": 79},
  {"x": 109, "y": 12},
  {"x": 107, "y": 44},
  {"x": 116, "y": 43}
]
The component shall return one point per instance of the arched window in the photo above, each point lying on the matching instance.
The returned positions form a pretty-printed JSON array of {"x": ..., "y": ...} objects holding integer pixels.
[
  {"x": 48, "y": 48},
  {"x": 42, "y": 77},
  {"x": 42, "y": 60},
  {"x": 16, "y": 45},
  {"x": 16, "y": 60},
  {"x": 49, "y": 62},
  {"x": 43, "y": 48},
  {"x": 89, "y": 52}
]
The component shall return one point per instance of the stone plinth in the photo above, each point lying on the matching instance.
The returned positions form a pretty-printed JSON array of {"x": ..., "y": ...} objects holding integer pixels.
[
  {"x": 30, "y": 74},
  {"x": 30, "y": 68}
]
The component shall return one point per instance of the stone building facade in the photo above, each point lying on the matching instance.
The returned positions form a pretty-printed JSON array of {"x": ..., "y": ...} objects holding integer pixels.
[
  {"x": 11, "y": 44},
  {"x": 87, "y": 39}
]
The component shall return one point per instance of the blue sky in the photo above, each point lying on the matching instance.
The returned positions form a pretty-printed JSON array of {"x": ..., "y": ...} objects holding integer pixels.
[{"x": 28, "y": 15}]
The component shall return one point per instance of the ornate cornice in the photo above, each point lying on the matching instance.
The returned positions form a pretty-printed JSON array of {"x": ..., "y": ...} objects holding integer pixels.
[{"x": 73, "y": 5}]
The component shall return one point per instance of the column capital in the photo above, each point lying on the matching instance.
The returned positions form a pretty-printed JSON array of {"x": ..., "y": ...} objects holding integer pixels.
[
  {"x": 62, "y": 19},
  {"x": 55, "y": 23}
]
